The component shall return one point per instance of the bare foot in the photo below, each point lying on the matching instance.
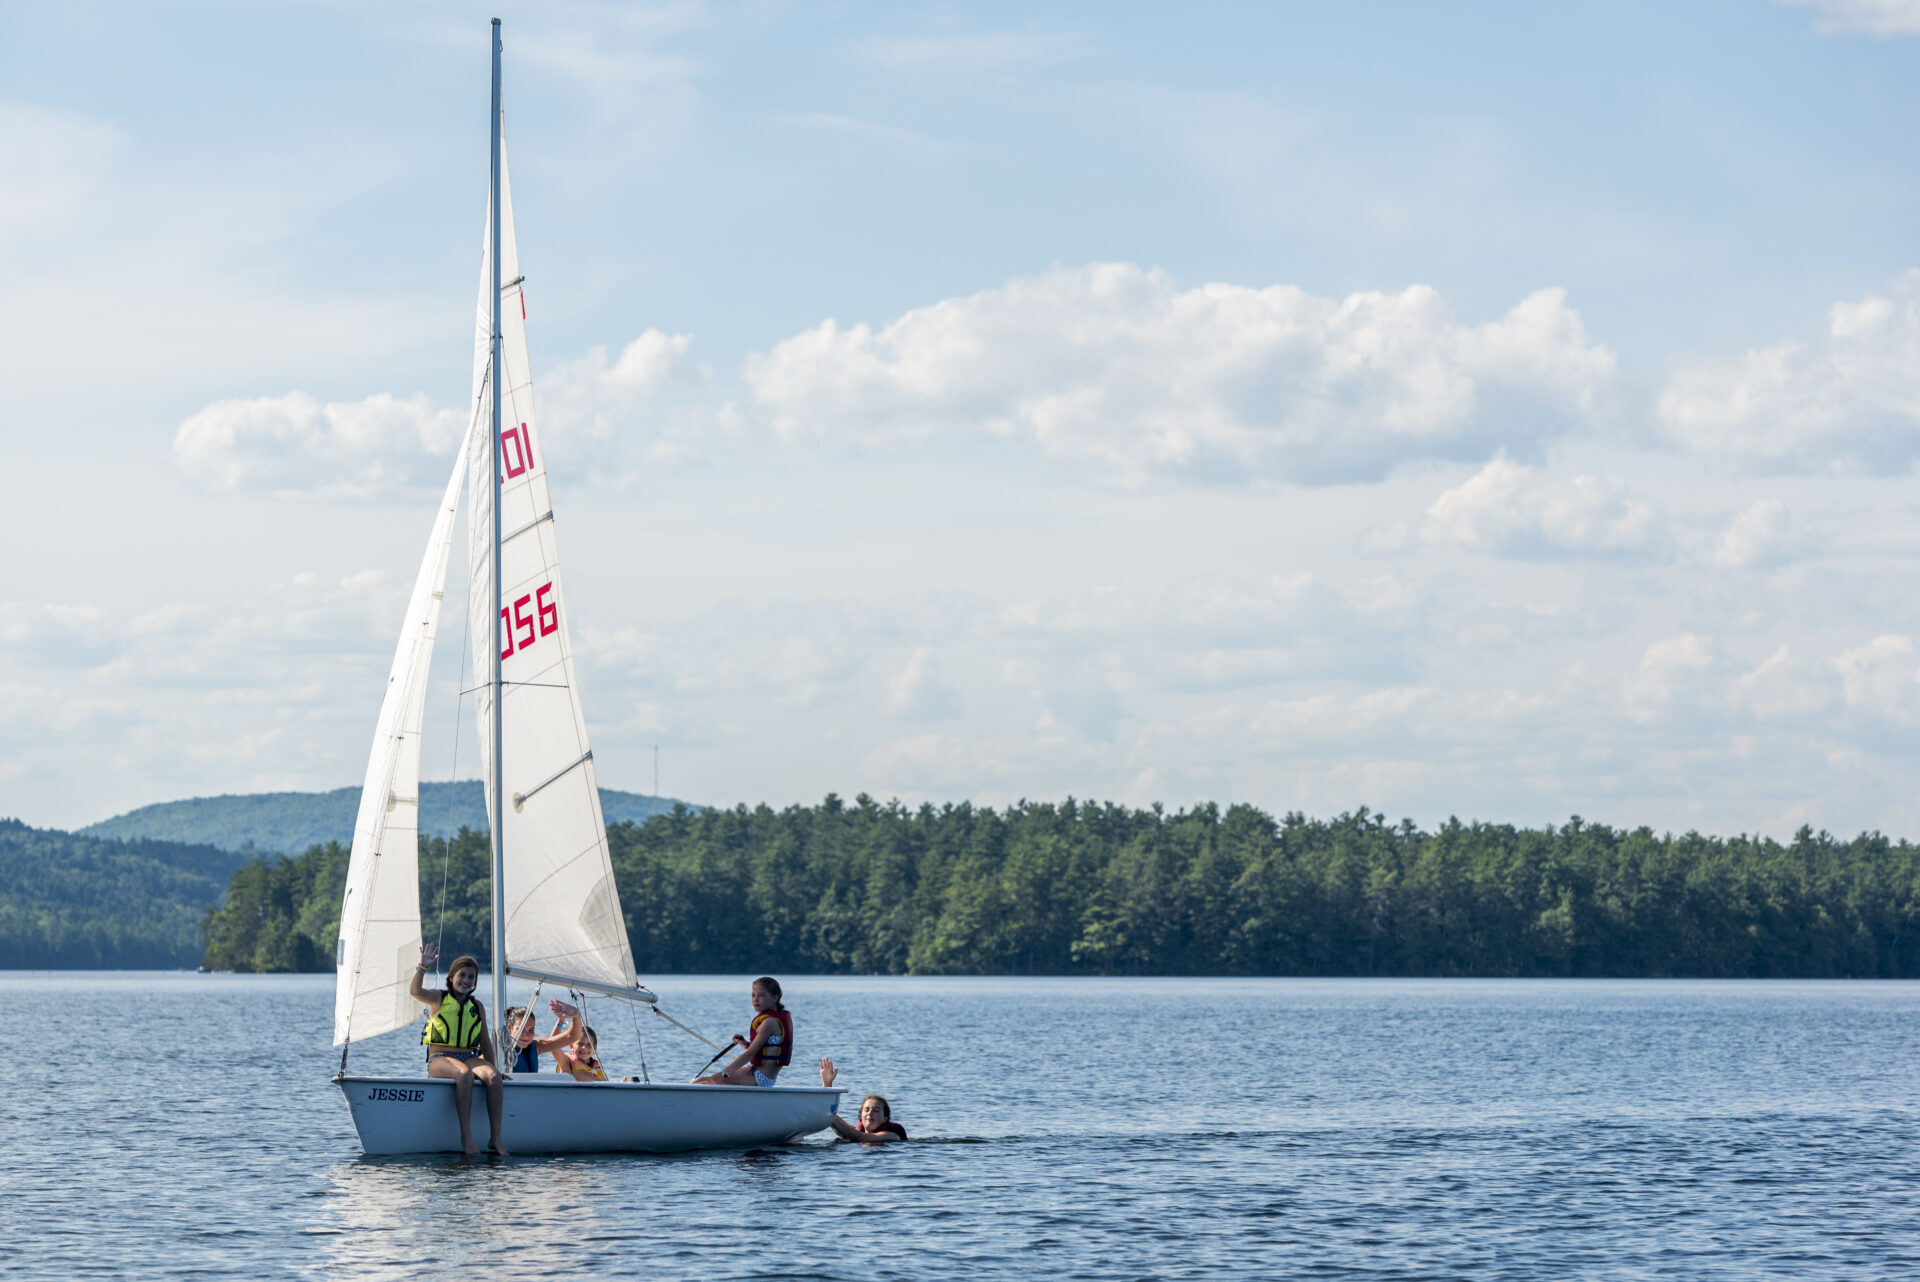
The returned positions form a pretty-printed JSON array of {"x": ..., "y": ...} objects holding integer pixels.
[
  {"x": 468, "y": 1147},
  {"x": 496, "y": 1150}
]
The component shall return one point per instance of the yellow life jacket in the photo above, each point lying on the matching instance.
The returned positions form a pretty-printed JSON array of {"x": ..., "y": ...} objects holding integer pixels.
[
  {"x": 580, "y": 1066},
  {"x": 456, "y": 1024}
]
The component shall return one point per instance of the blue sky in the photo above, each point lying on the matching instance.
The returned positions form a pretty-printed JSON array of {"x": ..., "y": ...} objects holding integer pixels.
[{"x": 1502, "y": 410}]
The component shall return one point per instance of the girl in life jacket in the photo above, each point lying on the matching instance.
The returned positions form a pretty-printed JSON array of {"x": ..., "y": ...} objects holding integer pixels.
[
  {"x": 768, "y": 1043},
  {"x": 876, "y": 1115},
  {"x": 519, "y": 1034},
  {"x": 459, "y": 1047},
  {"x": 582, "y": 1059}
]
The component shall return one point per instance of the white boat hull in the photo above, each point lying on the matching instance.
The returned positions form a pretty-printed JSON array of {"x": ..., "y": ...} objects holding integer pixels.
[{"x": 554, "y": 1114}]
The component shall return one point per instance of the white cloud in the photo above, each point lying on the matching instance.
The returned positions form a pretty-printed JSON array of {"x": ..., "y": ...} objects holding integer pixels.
[
  {"x": 1094, "y": 713},
  {"x": 1320, "y": 691},
  {"x": 650, "y": 394},
  {"x": 1114, "y": 364},
  {"x": 58, "y": 635},
  {"x": 262, "y": 688},
  {"x": 1175, "y": 645},
  {"x": 1872, "y": 17},
  {"x": 1783, "y": 688},
  {"x": 1882, "y": 678},
  {"x": 1109, "y": 364},
  {"x": 1758, "y": 537},
  {"x": 1696, "y": 688},
  {"x": 929, "y": 763},
  {"x": 787, "y": 652},
  {"x": 1852, "y": 404},
  {"x": 1514, "y": 510},
  {"x": 918, "y": 694},
  {"x": 295, "y": 443},
  {"x": 1674, "y": 671}
]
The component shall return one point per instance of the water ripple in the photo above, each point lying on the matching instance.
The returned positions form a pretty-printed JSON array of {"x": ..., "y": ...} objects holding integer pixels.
[{"x": 1374, "y": 1130}]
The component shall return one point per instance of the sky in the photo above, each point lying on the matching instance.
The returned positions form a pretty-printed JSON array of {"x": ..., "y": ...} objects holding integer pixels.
[{"x": 1504, "y": 411}]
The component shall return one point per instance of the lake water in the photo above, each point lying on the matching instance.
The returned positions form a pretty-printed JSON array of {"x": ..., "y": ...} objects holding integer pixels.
[{"x": 160, "y": 1124}]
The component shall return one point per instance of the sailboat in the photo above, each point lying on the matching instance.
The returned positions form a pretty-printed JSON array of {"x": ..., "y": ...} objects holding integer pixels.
[{"x": 556, "y": 910}]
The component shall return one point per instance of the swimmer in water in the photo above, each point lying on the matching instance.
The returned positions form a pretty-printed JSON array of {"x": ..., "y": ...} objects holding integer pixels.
[{"x": 876, "y": 1116}]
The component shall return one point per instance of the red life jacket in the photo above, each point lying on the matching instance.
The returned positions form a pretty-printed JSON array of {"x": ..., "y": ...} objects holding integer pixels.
[
  {"x": 895, "y": 1127},
  {"x": 778, "y": 1052}
]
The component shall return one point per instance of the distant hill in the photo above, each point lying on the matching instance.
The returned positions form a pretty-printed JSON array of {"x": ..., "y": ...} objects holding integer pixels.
[
  {"x": 73, "y": 902},
  {"x": 290, "y": 822}
]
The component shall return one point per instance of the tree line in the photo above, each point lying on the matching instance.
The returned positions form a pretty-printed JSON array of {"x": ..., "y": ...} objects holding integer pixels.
[
  {"x": 74, "y": 902},
  {"x": 1101, "y": 889}
]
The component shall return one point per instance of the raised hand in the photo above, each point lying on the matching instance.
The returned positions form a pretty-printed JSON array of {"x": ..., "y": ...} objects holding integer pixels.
[{"x": 429, "y": 954}]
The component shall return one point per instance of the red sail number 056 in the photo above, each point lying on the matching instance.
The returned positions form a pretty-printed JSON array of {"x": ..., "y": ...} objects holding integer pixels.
[{"x": 523, "y": 627}]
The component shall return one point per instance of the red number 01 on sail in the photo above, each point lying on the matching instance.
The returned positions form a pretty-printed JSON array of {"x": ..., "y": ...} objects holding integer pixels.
[{"x": 523, "y": 626}]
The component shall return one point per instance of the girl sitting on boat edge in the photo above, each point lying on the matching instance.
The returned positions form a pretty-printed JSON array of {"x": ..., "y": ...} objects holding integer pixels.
[
  {"x": 768, "y": 1043},
  {"x": 876, "y": 1116},
  {"x": 459, "y": 1047}
]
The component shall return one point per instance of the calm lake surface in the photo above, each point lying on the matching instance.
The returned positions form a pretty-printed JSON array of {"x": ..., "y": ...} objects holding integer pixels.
[{"x": 160, "y": 1124}]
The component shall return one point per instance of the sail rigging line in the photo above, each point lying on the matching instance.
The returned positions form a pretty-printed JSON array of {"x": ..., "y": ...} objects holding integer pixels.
[
  {"x": 513, "y": 1037},
  {"x": 453, "y": 784},
  {"x": 640, "y": 1043},
  {"x": 460, "y": 694},
  {"x": 683, "y": 1028}
]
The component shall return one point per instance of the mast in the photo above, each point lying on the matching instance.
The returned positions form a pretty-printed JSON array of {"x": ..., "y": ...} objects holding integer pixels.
[{"x": 498, "y": 818}]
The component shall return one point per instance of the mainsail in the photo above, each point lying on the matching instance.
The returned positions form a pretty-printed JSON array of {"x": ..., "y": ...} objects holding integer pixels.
[
  {"x": 380, "y": 914},
  {"x": 561, "y": 910}
]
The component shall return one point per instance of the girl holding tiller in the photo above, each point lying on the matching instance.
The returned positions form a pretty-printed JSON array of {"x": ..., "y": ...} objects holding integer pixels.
[{"x": 768, "y": 1045}]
